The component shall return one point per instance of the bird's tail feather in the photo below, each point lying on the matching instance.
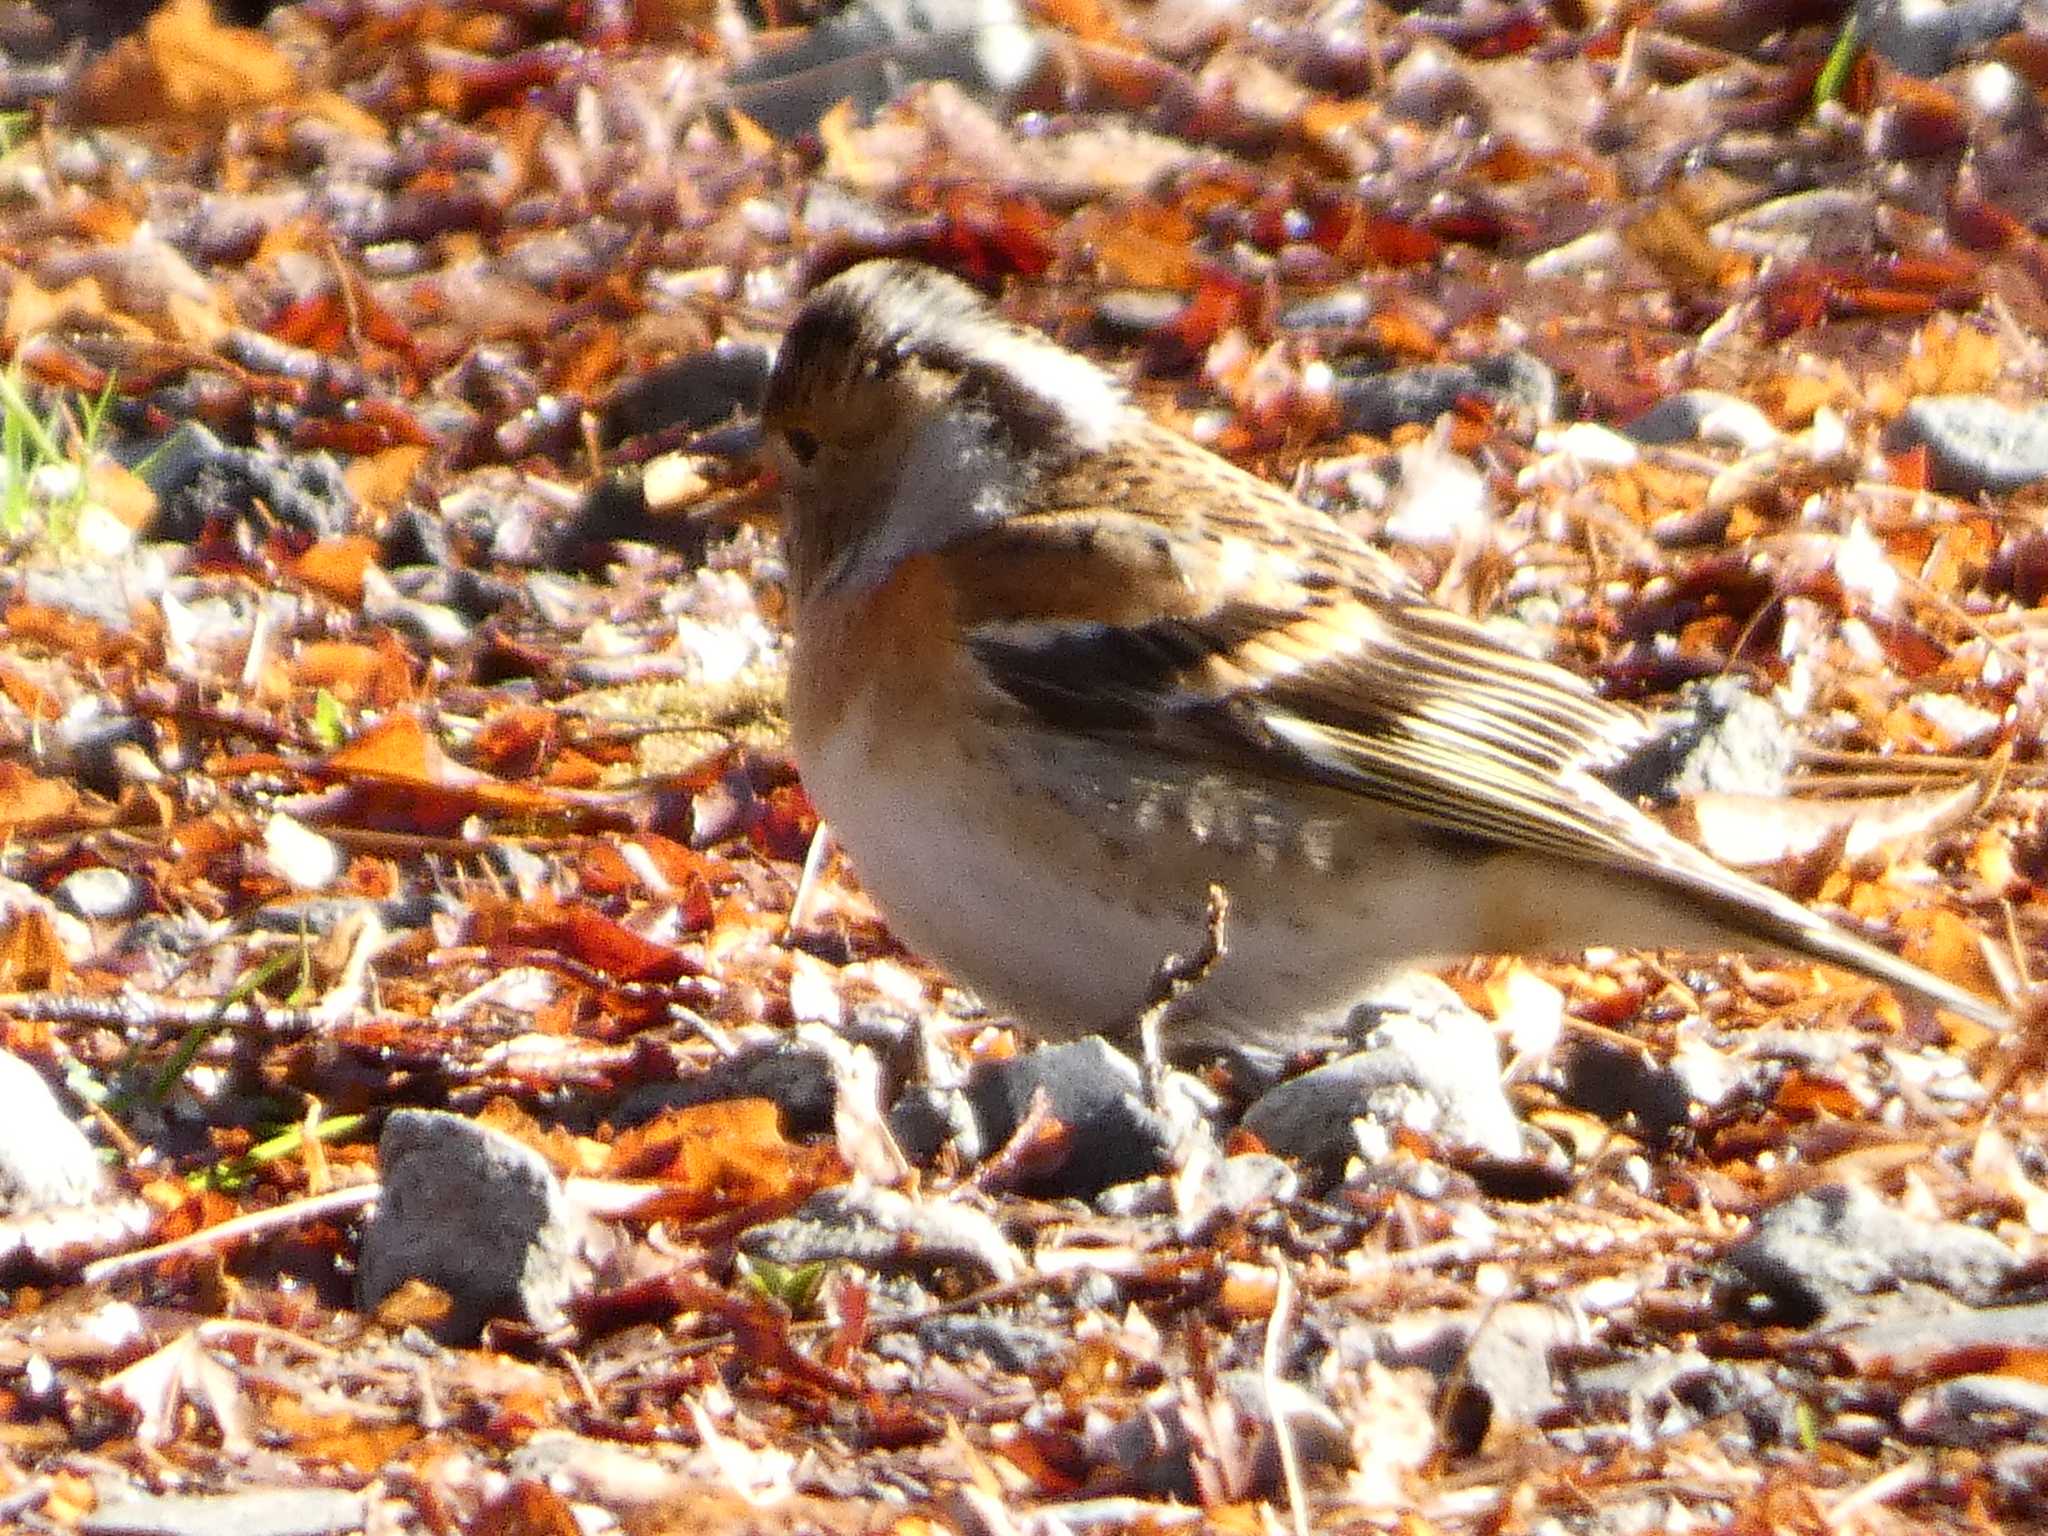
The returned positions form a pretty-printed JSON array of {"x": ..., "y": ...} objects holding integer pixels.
[{"x": 1781, "y": 922}]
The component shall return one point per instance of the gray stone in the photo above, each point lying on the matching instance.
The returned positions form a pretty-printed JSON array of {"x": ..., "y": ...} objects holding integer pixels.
[
  {"x": 1704, "y": 416},
  {"x": 45, "y": 1159},
  {"x": 470, "y": 1210},
  {"x": 926, "y": 1119},
  {"x": 435, "y": 625},
  {"x": 1239, "y": 1186},
  {"x": 109, "y": 592},
  {"x": 700, "y": 389},
  {"x": 620, "y": 1478},
  {"x": 1252, "y": 1182},
  {"x": 1432, "y": 85},
  {"x": 89, "y": 744},
  {"x": 1341, "y": 309},
  {"x": 178, "y": 459},
  {"x": 257, "y": 1512},
  {"x": 1497, "y": 1357},
  {"x": 1928, "y": 37},
  {"x": 1718, "y": 737},
  {"x": 197, "y": 483},
  {"x": 1432, "y": 1065},
  {"x": 100, "y": 893},
  {"x": 1901, "y": 1347},
  {"x": 1154, "y": 1448},
  {"x": 1008, "y": 1343},
  {"x": 1094, "y": 1091},
  {"x": 1135, "y": 313},
  {"x": 1978, "y": 444},
  {"x": 1614, "y": 1081},
  {"x": 1380, "y": 402},
  {"x": 870, "y": 51},
  {"x": 168, "y": 938},
  {"x": 1809, "y": 1255},
  {"x": 884, "y": 1230},
  {"x": 320, "y": 916}
]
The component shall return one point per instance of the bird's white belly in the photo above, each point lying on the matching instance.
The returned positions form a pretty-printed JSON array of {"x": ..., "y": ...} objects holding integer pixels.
[
  {"x": 963, "y": 879},
  {"x": 1060, "y": 899}
]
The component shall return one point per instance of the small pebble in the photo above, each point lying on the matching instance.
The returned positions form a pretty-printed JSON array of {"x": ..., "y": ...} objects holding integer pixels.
[
  {"x": 45, "y": 1159},
  {"x": 474, "y": 1212},
  {"x": 100, "y": 893},
  {"x": 1929, "y": 37},
  {"x": 1976, "y": 443}
]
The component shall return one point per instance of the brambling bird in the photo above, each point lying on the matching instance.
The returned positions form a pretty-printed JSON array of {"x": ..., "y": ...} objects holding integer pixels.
[{"x": 1057, "y": 670}]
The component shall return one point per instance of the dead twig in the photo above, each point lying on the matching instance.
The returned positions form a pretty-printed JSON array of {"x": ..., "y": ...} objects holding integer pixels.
[
  {"x": 1278, "y": 1322},
  {"x": 314, "y": 1208}
]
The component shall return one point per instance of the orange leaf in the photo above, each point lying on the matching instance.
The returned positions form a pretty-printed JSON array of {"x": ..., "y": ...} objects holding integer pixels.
[
  {"x": 1912, "y": 469},
  {"x": 27, "y": 801},
  {"x": 604, "y": 870},
  {"x": 31, "y": 957},
  {"x": 724, "y": 1156},
  {"x": 395, "y": 751},
  {"x": 381, "y": 478},
  {"x": 1148, "y": 245},
  {"x": 612, "y": 947},
  {"x": 122, "y": 492},
  {"x": 1805, "y": 1094},
  {"x": 583, "y": 934},
  {"x": 28, "y": 696},
  {"x": 590, "y": 365},
  {"x": 1948, "y": 946},
  {"x": 184, "y": 63},
  {"x": 355, "y": 1441},
  {"x": 66, "y": 633},
  {"x": 377, "y": 676},
  {"x": 32, "y": 308},
  {"x": 336, "y": 566},
  {"x": 526, "y": 1508},
  {"x": 398, "y": 753}
]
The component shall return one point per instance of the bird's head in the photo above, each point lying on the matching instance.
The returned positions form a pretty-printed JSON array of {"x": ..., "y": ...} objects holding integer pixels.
[{"x": 903, "y": 413}]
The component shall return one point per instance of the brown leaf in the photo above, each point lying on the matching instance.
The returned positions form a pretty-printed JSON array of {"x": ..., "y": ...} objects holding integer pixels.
[
  {"x": 379, "y": 480},
  {"x": 527, "y": 1508},
  {"x": 185, "y": 64},
  {"x": 584, "y": 935},
  {"x": 336, "y": 566},
  {"x": 369, "y": 676},
  {"x": 31, "y": 956},
  {"x": 723, "y": 1157},
  {"x": 517, "y": 743},
  {"x": 27, "y": 802}
]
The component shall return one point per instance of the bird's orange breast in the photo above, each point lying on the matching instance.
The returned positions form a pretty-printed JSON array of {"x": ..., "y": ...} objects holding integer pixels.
[{"x": 897, "y": 642}]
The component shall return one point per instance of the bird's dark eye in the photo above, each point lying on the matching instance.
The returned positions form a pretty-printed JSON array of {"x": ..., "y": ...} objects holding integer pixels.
[{"x": 801, "y": 443}]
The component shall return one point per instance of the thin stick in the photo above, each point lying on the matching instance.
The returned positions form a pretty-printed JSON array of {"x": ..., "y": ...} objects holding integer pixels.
[
  {"x": 1277, "y": 1324},
  {"x": 233, "y": 1231}
]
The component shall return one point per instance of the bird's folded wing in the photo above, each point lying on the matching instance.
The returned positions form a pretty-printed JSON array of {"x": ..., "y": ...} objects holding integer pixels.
[{"x": 1383, "y": 697}]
